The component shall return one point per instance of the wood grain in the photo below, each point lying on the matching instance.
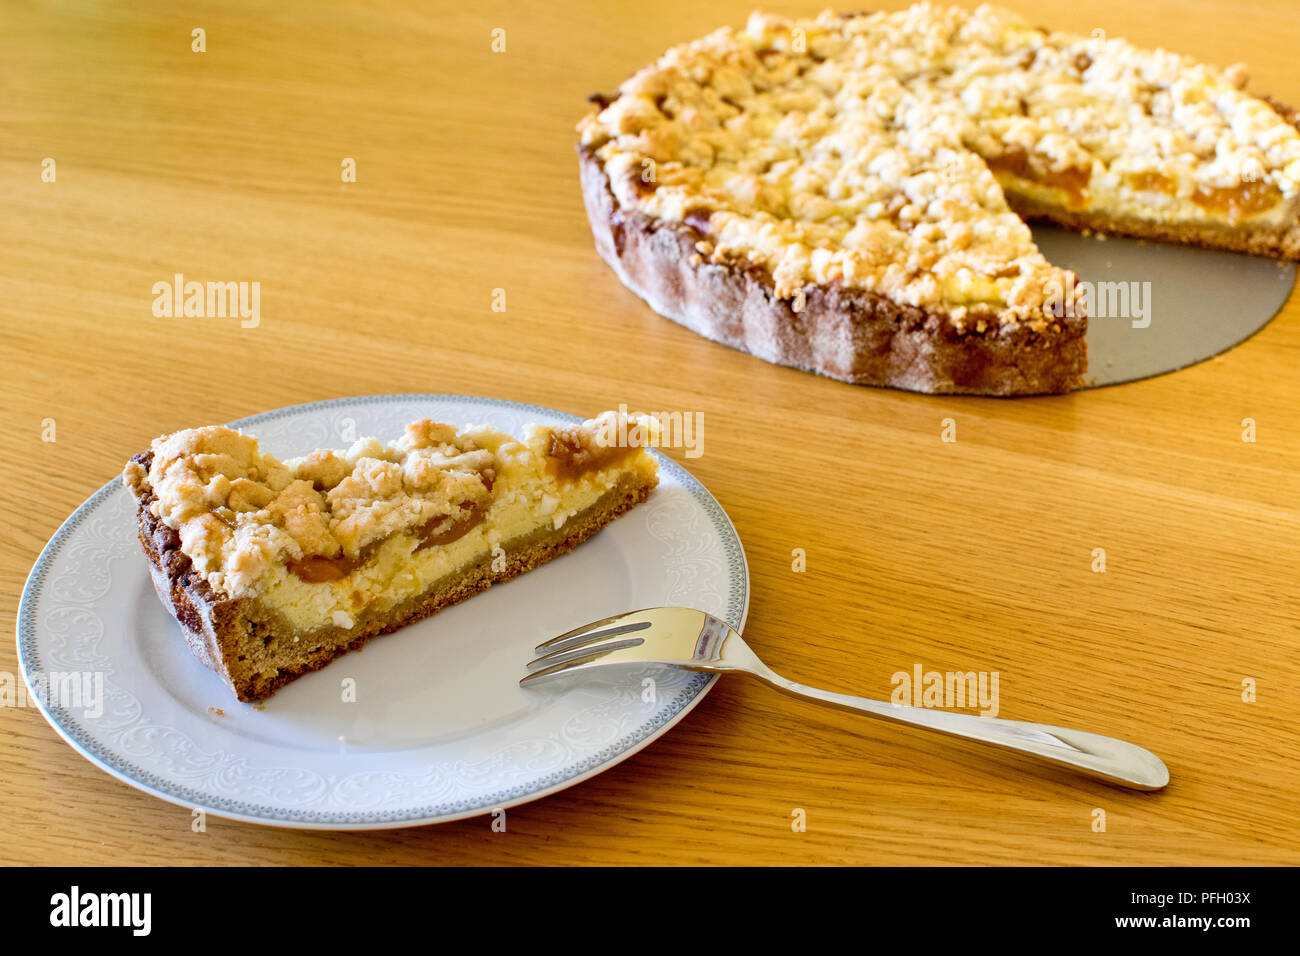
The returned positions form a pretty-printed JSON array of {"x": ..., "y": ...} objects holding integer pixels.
[{"x": 968, "y": 555}]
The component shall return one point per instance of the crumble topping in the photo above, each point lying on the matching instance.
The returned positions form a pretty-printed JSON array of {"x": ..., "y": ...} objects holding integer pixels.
[
  {"x": 238, "y": 511},
  {"x": 873, "y": 151}
]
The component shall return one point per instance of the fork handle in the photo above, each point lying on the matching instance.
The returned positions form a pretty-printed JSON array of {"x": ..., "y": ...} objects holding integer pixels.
[{"x": 1105, "y": 758}]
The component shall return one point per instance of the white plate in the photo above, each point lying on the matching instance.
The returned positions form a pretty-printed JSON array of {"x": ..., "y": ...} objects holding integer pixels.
[{"x": 440, "y": 728}]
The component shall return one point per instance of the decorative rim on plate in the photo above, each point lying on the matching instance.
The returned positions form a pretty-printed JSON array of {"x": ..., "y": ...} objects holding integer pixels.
[{"x": 69, "y": 724}]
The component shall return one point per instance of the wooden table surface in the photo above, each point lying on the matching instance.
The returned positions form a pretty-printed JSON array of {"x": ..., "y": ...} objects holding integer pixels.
[{"x": 967, "y": 555}]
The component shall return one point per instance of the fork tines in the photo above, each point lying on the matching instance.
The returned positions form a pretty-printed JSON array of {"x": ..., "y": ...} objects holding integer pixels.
[{"x": 589, "y": 634}]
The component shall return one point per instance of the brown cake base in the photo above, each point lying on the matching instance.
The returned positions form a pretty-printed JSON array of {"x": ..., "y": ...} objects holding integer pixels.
[
  {"x": 851, "y": 335},
  {"x": 253, "y": 648}
]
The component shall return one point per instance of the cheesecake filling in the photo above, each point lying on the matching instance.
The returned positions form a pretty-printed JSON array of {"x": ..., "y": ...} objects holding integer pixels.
[
  {"x": 402, "y": 567},
  {"x": 1150, "y": 196}
]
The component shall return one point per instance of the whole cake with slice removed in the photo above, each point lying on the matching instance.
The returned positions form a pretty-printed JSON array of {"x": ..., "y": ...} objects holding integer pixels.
[
  {"x": 846, "y": 194},
  {"x": 274, "y": 568}
]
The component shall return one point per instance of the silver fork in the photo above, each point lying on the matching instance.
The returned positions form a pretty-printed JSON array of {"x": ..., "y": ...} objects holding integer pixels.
[{"x": 683, "y": 637}]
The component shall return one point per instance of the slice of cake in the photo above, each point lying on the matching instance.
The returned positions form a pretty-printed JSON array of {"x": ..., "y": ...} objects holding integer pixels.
[
  {"x": 274, "y": 568},
  {"x": 846, "y": 194}
]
